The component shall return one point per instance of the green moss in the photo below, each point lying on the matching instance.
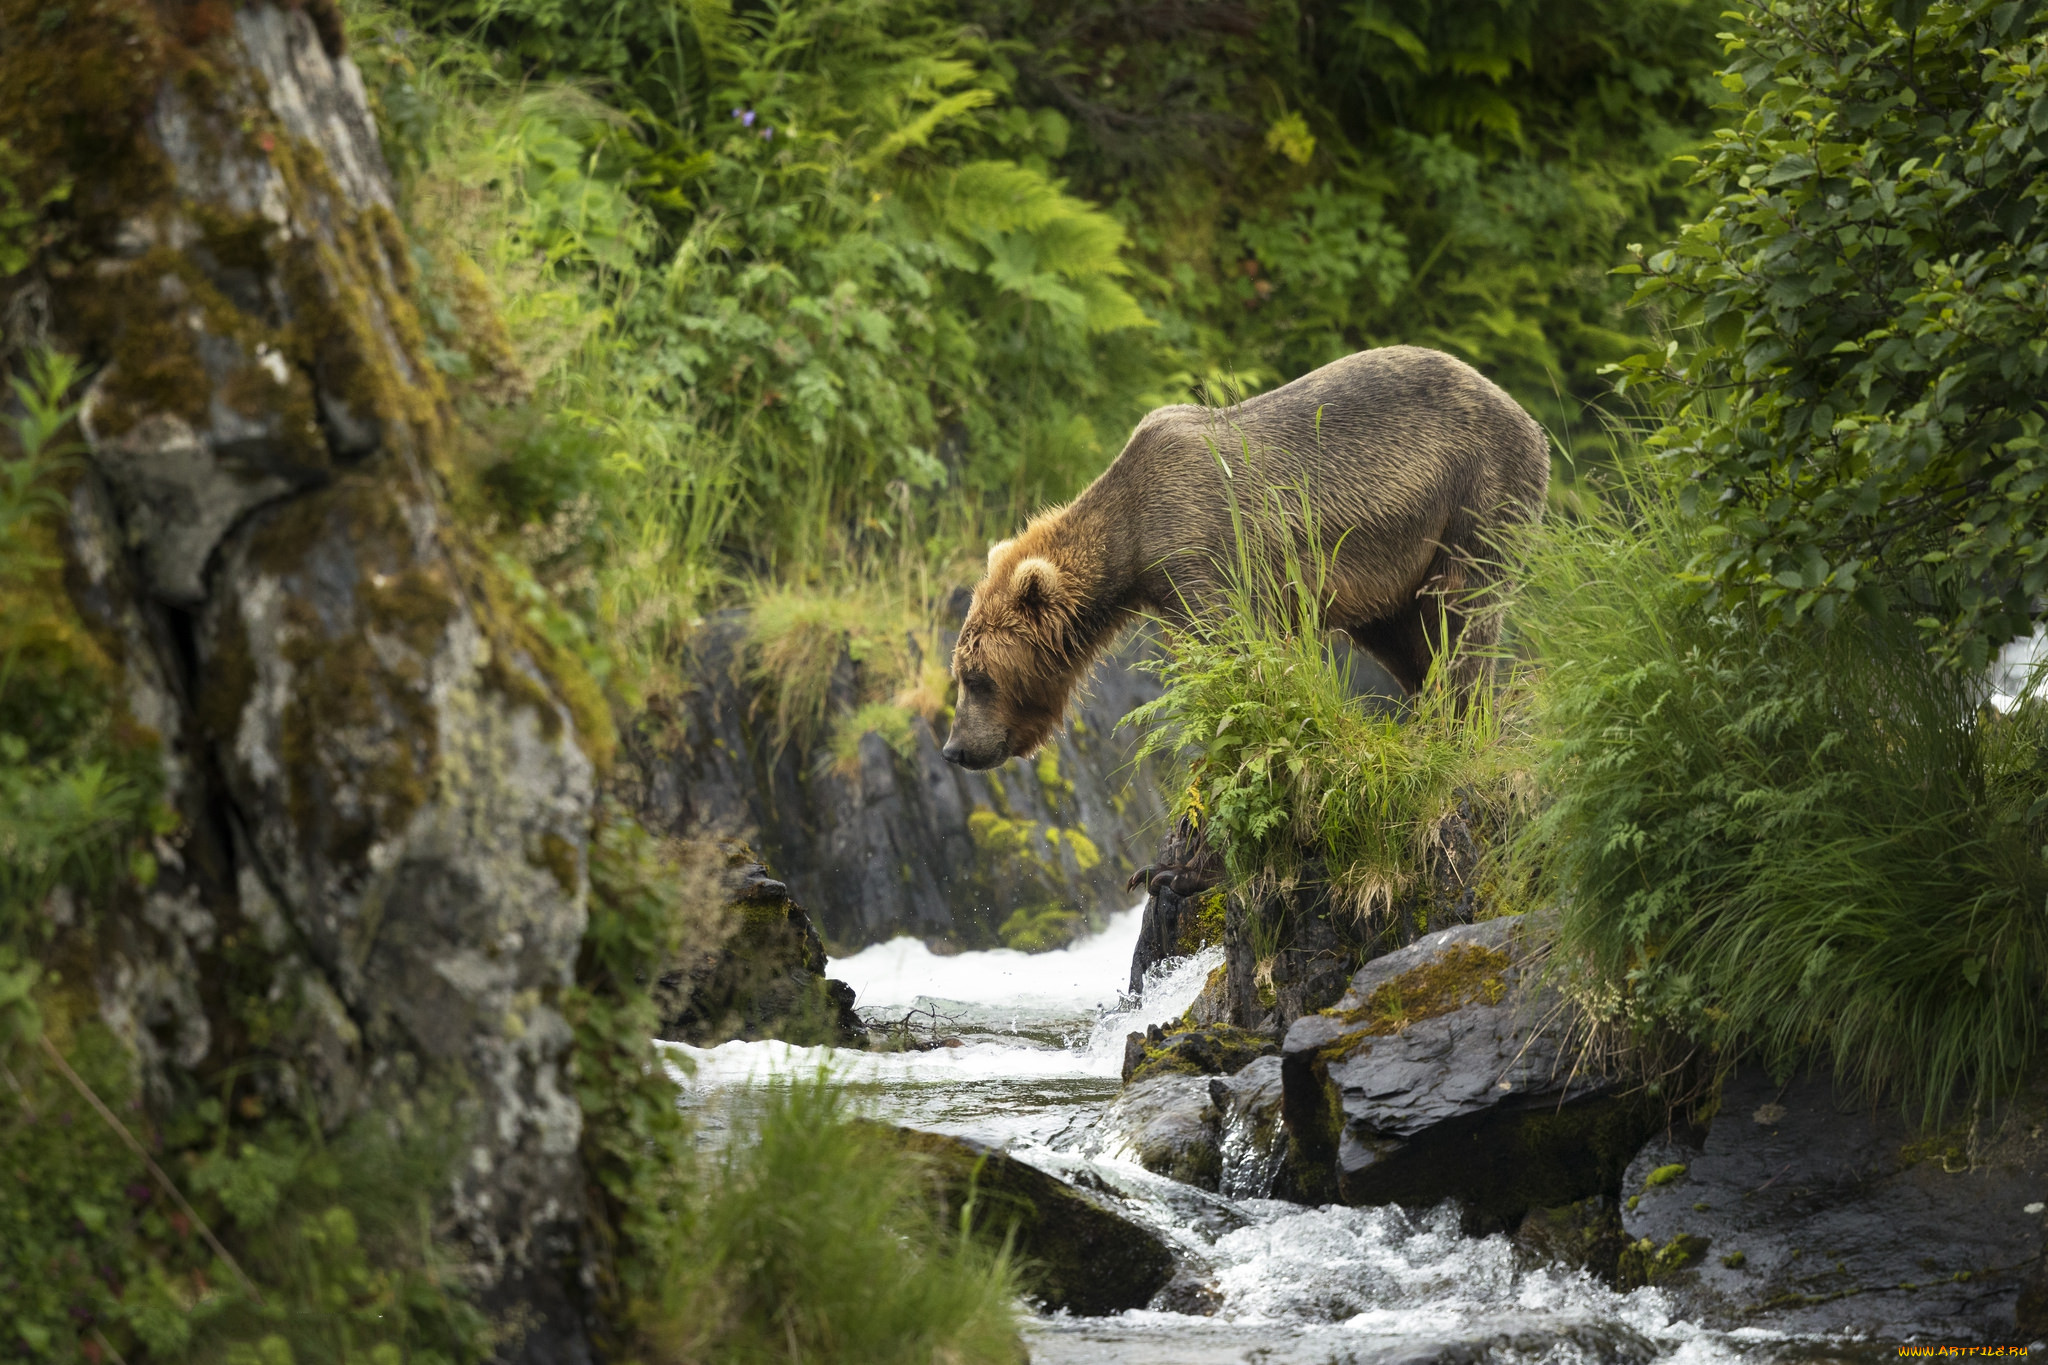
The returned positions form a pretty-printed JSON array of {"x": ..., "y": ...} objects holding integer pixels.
[
  {"x": 1202, "y": 1050},
  {"x": 1205, "y": 927},
  {"x": 1646, "y": 1263},
  {"x": 1735, "y": 1260},
  {"x": 1461, "y": 975},
  {"x": 1087, "y": 856},
  {"x": 1948, "y": 1149},
  {"x": 1664, "y": 1175},
  {"x": 1038, "y": 929},
  {"x": 559, "y": 857},
  {"x": 1055, "y": 787}
]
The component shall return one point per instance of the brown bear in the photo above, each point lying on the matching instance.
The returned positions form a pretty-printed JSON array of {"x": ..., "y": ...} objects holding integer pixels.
[{"x": 1412, "y": 462}]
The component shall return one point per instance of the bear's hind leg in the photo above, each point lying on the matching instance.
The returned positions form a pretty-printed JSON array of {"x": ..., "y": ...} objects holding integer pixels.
[{"x": 1400, "y": 643}]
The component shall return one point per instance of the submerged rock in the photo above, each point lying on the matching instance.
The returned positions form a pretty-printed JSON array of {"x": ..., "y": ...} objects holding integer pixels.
[
  {"x": 1076, "y": 1253},
  {"x": 1444, "y": 1072},
  {"x": 765, "y": 979},
  {"x": 1802, "y": 1210}
]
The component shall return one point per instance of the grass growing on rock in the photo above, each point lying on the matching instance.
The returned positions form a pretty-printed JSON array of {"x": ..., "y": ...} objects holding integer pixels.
[{"x": 1278, "y": 755}]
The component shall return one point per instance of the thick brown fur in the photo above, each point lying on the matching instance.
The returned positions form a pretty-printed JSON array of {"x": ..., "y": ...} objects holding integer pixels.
[{"x": 1415, "y": 467}]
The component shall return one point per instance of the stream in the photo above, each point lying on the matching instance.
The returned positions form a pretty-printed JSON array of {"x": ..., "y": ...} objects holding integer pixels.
[{"x": 1042, "y": 1049}]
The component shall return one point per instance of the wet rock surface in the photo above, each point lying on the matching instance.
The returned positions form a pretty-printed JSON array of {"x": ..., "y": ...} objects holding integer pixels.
[
  {"x": 764, "y": 979},
  {"x": 1443, "y": 1072},
  {"x": 1802, "y": 1210},
  {"x": 1079, "y": 1254},
  {"x": 905, "y": 843},
  {"x": 1221, "y": 1134}
]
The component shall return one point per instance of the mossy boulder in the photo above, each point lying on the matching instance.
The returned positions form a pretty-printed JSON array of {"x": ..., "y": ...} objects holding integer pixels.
[
  {"x": 1076, "y": 1253},
  {"x": 1188, "y": 1049},
  {"x": 763, "y": 978},
  {"x": 877, "y": 834},
  {"x": 1445, "y": 1072}
]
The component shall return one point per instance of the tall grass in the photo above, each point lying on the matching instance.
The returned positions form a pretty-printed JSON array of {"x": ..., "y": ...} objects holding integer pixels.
[
  {"x": 1280, "y": 759},
  {"x": 1790, "y": 844},
  {"x": 819, "y": 1241}
]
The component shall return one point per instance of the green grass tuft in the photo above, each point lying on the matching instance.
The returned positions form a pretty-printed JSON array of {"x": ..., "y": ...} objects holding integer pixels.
[
  {"x": 1279, "y": 757},
  {"x": 820, "y": 1241}
]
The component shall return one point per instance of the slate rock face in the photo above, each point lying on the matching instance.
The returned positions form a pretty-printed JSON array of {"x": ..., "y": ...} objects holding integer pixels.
[
  {"x": 903, "y": 844},
  {"x": 1443, "y": 1073},
  {"x": 1080, "y": 1254},
  {"x": 1805, "y": 1211}
]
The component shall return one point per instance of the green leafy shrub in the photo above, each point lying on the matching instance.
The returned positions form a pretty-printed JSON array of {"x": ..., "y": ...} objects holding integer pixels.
[
  {"x": 1783, "y": 842},
  {"x": 1858, "y": 403}
]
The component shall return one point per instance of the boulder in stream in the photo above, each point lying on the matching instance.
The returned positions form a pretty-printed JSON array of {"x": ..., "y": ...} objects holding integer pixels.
[
  {"x": 1805, "y": 1211},
  {"x": 1444, "y": 1072},
  {"x": 764, "y": 977},
  {"x": 1189, "y": 1049},
  {"x": 1077, "y": 1253},
  {"x": 1218, "y": 1133}
]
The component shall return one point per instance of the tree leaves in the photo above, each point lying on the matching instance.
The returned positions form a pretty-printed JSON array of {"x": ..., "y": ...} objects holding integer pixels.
[{"x": 1860, "y": 402}]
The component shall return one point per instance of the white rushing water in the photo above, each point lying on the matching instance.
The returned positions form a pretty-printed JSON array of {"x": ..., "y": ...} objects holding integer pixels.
[{"x": 1040, "y": 1049}]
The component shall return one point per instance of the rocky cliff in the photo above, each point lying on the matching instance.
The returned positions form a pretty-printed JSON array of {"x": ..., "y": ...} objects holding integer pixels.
[
  {"x": 906, "y": 843},
  {"x": 372, "y": 873}
]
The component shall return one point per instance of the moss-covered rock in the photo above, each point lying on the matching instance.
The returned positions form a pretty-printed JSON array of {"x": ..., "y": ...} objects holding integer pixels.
[
  {"x": 1799, "y": 1208},
  {"x": 1445, "y": 1072},
  {"x": 874, "y": 831},
  {"x": 764, "y": 978},
  {"x": 1075, "y": 1252},
  {"x": 1189, "y": 1049},
  {"x": 372, "y": 878}
]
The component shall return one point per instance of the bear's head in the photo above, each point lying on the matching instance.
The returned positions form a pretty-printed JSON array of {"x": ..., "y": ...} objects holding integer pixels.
[{"x": 1016, "y": 660}]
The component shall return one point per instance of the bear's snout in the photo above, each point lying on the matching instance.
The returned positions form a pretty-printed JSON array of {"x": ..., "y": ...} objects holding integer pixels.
[{"x": 974, "y": 760}]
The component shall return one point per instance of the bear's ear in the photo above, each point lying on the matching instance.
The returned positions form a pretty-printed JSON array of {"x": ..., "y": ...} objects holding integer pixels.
[
  {"x": 995, "y": 550},
  {"x": 1038, "y": 583}
]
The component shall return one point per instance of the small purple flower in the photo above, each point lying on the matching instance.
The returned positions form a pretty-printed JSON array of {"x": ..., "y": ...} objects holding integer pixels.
[
  {"x": 745, "y": 116},
  {"x": 766, "y": 132}
]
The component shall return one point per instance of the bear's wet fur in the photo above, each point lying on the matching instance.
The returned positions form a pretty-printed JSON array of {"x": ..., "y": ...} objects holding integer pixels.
[{"x": 1415, "y": 466}]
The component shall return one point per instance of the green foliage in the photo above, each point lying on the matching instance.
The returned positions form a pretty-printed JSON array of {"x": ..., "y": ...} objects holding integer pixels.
[
  {"x": 1304, "y": 179},
  {"x": 817, "y": 275},
  {"x": 1859, "y": 406},
  {"x": 335, "y": 1232},
  {"x": 823, "y": 1243},
  {"x": 1785, "y": 842},
  {"x": 73, "y": 795},
  {"x": 636, "y": 1141},
  {"x": 1280, "y": 758}
]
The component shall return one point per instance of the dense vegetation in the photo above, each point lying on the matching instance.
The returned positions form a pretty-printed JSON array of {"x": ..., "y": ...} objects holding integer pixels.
[
  {"x": 800, "y": 303},
  {"x": 804, "y": 286}
]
